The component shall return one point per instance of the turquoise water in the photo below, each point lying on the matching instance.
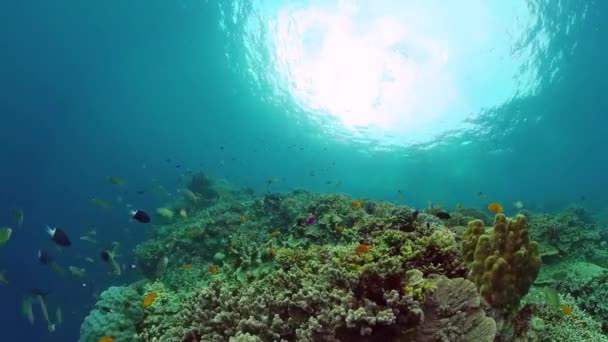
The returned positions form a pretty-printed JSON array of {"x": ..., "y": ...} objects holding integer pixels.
[{"x": 438, "y": 101}]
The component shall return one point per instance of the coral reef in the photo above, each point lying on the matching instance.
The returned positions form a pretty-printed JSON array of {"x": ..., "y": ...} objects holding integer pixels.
[{"x": 299, "y": 266}]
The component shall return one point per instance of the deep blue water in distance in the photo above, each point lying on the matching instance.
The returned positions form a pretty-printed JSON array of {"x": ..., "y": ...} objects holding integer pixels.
[{"x": 93, "y": 89}]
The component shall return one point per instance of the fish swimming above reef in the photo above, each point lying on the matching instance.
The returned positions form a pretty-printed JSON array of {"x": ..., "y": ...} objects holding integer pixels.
[
  {"x": 444, "y": 215},
  {"x": 100, "y": 203},
  {"x": 45, "y": 259},
  {"x": 5, "y": 235},
  {"x": 116, "y": 180},
  {"x": 3, "y": 280},
  {"x": 77, "y": 272},
  {"x": 19, "y": 216},
  {"x": 518, "y": 204},
  {"x": 495, "y": 207},
  {"x": 58, "y": 236},
  {"x": 140, "y": 216},
  {"x": 311, "y": 220}
]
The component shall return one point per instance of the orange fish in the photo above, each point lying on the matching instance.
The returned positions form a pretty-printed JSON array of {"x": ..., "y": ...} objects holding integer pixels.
[
  {"x": 339, "y": 229},
  {"x": 274, "y": 233},
  {"x": 272, "y": 252},
  {"x": 243, "y": 219},
  {"x": 106, "y": 339},
  {"x": 362, "y": 248},
  {"x": 357, "y": 204},
  {"x": 186, "y": 266},
  {"x": 495, "y": 207},
  {"x": 150, "y": 298},
  {"x": 567, "y": 310},
  {"x": 213, "y": 269}
]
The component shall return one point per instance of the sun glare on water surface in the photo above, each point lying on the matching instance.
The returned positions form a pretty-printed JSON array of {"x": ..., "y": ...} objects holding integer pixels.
[{"x": 411, "y": 69}]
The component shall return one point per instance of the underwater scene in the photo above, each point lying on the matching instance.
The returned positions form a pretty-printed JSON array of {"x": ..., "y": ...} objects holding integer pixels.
[{"x": 310, "y": 170}]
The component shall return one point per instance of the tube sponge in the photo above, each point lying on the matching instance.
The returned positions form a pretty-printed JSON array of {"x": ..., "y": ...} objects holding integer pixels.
[{"x": 503, "y": 262}]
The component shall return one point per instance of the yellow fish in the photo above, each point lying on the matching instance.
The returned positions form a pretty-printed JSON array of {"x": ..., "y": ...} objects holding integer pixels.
[
  {"x": 567, "y": 310},
  {"x": 495, "y": 207},
  {"x": 357, "y": 204},
  {"x": 150, "y": 298},
  {"x": 243, "y": 219},
  {"x": 106, "y": 339},
  {"x": 458, "y": 206},
  {"x": 100, "y": 203},
  {"x": 186, "y": 266},
  {"x": 116, "y": 180},
  {"x": 5, "y": 235}
]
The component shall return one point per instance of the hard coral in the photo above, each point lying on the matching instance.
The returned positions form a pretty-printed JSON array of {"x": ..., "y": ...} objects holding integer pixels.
[
  {"x": 503, "y": 262},
  {"x": 453, "y": 313}
]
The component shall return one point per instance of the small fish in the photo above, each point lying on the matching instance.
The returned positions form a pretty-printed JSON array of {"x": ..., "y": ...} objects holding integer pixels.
[
  {"x": 356, "y": 204},
  {"x": 444, "y": 215},
  {"x": 567, "y": 310},
  {"x": 183, "y": 213},
  {"x": 399, "y": 197},
  {"x": 243, "y": 219},
  {"x": 272, "y": 252},
  {"x": 186, "y": 266},
  {"x": 58, "y": 236},
  {"x": 274, "y": 233},
  {"x": 88, "y": 239},
  {"x": 88, "y": 259},
  {"x": 18, "y": 214},
  {"x": 495, "y": 207},
  {"x": 150, "y": 298},
  {"x": 105, "y": 255},
  {"x": 3, "y": 280},
  {"x": 518, "y": 204},
  {"x": 77, "y": 272},
  {"x": 458, "y": 206},
  {"x": 140, "y": 216},
  {"x": 311, "y": 220},
  {"x": 363, "y": 247},
  {"x": 481, "y": 194},
  {"x": 5, "y": 235},
  {"x": 116, "y": 180},
  {"x": 272, "y": 181},
  {"x": 213, "y": 269},
  {"x": 339, "y": 229},
  {"x": 100, "y": 203},
  {"x": 106, "y": 339},
  {"x": 43, "y": 257},
  {"x": 141, "y": 192}
]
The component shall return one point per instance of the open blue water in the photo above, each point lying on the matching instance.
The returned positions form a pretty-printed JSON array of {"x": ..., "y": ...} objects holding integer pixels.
[{"x": 508, "y": 100}]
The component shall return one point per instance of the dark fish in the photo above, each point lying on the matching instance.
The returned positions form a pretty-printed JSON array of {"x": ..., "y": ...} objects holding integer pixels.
[
  {"x": 44, "y": 257},
  {"x": 39, "y": 292},
  {"x": 444, "y": 215},
  {"x": 140, "y": 216},
  {"x": 178, "y": 166},
  {"x": 168, "y": 160},
  {"x": 365, "y": 242},
  {"x": 221, "y": 147},
  {"x": 311, "y": 220},
  {"x": 105, "y": 256},
  {"x": 59, "y": 236},
  {"x": 141, "y": 192}
]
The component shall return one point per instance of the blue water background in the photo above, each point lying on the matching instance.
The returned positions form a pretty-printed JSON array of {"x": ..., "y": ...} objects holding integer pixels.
[{"x": 92, "y": 89}]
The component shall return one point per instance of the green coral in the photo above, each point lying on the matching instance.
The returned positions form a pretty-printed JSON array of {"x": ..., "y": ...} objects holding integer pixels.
[
  {"x": 503, "y": 262},
  {"x": 116, "y": 314}
]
